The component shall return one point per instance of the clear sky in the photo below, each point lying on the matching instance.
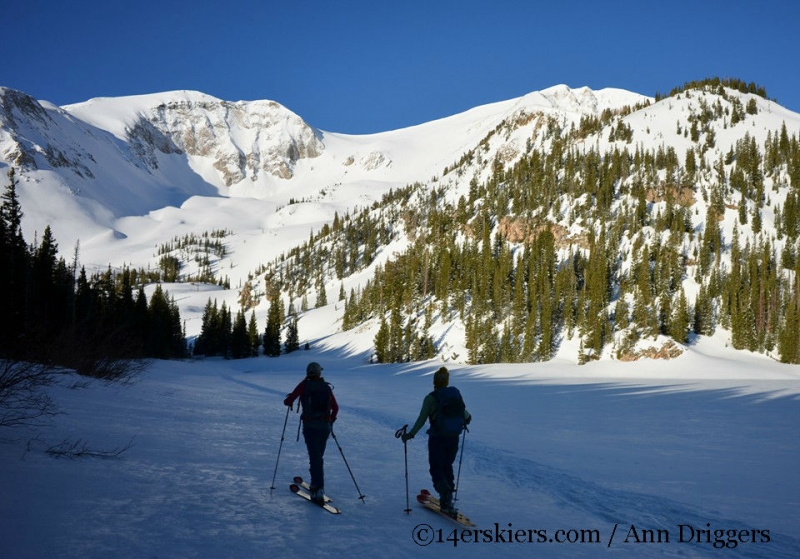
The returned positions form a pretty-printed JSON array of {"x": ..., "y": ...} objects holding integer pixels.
[{"x": 370, "y": 66}]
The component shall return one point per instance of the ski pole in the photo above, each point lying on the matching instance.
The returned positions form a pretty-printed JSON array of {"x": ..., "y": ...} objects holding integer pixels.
[
  {"x": 360, "y": 494},
  {"x": 458, "y": 477},
  {"x": 299, "y": 422},
  {"x": 399, "y": 435},
  {"x": 280, "y": 446}
]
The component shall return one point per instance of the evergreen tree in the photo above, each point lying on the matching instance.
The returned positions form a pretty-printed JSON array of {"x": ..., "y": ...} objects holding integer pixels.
[
  {"x": 14, "y": 265},
  {"x": 703, "y": 322},
  {"x": 92, "y": 324},
  {"x": 789, "y": 337},
  {"x": 382, "y": 342},
  {"x": 664, "y": 314},
  {"x": 165, "y": 334},
  {"x": 11, "y": 213},
  {"x": 322, "y": 297},
  {"x": 141, "y": 319},
  {"x": 204, "y": 344},
  {"x": 680, "y": 320},
  {"x": 292, "y": 336},
  {"x": 44, "y": 309},
  {"x": 252, "y": 335},
  {"x": 177, "y": 332},
  {"x": 225, "y": 329},
  {"x": 506, "y": 343},
  {"x": 272, "y": 334},
  {"x": 712, "y": 240},
  {"x": 621, "y": 314},
  {"x": 240, "y": 343},
  {"x": 397, "y": 340}
]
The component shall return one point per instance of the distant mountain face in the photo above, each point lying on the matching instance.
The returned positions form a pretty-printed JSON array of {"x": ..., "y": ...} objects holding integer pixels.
[
  {"x": 108, "y": 158},
  {"x": 33, "y": 138},
  {"x": 225, "y": 143},
  {"x": 134, "y": 139},
  {"x": 133, "y": 172},
  {"x": 239, "y": 140},
  {"x": 131, "y": 155},
  {"x": 84, "y": 167}
]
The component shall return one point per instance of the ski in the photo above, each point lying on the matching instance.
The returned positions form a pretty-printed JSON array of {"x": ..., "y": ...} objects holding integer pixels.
[
  {"x": 299, "y": 481},
  {"x": 432, "y": 503},
  {"x": 297, "y": 490}
]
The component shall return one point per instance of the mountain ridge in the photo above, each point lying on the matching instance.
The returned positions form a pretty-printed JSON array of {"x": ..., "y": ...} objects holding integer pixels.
[
  {"x": 178, "y": 162},
  {"x": 132, "y": 136}
]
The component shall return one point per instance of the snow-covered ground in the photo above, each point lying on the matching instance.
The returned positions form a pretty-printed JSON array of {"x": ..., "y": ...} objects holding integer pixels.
[
  {"x": 702, "y": 447},
  {"x": 657, "y": 450}
]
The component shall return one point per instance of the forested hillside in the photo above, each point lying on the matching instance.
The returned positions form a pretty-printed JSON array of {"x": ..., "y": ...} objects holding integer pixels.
[
  {"x": 56, "y": 314},
  {"x": 663, "y": 219}
]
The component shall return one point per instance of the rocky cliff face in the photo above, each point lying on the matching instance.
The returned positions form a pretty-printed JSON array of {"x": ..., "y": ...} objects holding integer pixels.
[
  {"x": 31, "y": 136},
  {"x": 240, "y": 139}
]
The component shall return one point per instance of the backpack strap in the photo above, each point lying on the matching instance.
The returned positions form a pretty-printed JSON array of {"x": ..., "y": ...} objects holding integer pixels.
[{"x": 437, "y": 397}]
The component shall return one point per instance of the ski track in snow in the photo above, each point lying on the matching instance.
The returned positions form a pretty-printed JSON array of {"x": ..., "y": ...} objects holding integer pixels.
[
  {"x": 197, "y": 481},
  {"x": 608, "y": 505}
]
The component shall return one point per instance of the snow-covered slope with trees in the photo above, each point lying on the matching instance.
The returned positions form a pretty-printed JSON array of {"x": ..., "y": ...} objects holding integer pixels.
[
  {"x": 632, "y": 261},
  {"x": 123, "y": 180}
]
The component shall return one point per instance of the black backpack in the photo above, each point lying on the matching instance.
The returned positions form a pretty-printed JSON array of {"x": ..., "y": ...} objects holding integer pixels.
[
  {"x": 316, "y": 400},
  {"x": 448, "y": 419}
]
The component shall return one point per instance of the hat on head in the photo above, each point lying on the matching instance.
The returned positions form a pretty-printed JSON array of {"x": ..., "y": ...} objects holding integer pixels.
[
  {"x": 441, "y": 378},
  {"x": 314, "y": 369}
]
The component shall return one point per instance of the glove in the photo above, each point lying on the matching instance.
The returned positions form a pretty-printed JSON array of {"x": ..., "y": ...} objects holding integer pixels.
[
  {"x": 469, "y": 420},
  {"x": 406, "y": 437},
  {"x": 287, "y": 402}
]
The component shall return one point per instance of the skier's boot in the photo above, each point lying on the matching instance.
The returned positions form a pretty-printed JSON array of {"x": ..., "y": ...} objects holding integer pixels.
[
  {"x": 445, "y": 491},
  {"x": 317, "y": 495}
]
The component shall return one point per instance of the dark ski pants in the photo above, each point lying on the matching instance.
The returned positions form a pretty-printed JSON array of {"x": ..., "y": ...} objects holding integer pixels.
[
  {"x": 442, "y": 451},
  {"x": 316, "y": 435}
]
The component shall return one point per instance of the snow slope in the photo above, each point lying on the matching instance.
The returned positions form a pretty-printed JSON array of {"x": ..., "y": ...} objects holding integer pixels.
[
  {"x": 117, "y": 178},
  {"x": 114, "y": 173},
  {"x": 641, "y": 446},
  {"x": 707, "y": 440}
]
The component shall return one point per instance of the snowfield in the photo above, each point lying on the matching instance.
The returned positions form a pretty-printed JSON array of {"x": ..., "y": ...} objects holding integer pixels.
[
  {"x": 695, "y": 456},
  {"x": 649, "y": 451}
]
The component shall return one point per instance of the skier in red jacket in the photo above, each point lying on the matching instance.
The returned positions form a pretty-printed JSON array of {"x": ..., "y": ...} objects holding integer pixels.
[{"x": 319, "y": 412}]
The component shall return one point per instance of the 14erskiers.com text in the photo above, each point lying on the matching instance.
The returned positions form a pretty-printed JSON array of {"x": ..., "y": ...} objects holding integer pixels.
[{"x": 730, "y": 538}]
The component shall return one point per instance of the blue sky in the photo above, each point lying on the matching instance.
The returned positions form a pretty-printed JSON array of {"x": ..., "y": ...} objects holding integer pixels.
[{"x": 360, "y": 67}]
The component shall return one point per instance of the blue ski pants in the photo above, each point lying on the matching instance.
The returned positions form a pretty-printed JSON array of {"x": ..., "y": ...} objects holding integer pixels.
[
  {"x": 442, "y": 451},
  {"x": 316, "y": 435}
]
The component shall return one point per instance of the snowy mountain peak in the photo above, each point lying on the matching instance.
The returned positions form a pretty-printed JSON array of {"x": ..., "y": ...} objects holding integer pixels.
[
  {"x": 240, "y": 140},
  {"x": 32, "y": 135},
  {"x": 14, "y": 104},
  {"x": 125, "y": 175},
  {"x": 582, "y": 100},
  {"x": 578, "y": 100}
]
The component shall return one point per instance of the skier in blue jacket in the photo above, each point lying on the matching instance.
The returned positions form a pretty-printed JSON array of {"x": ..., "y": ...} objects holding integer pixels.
[{"x": 442, "y": 435}]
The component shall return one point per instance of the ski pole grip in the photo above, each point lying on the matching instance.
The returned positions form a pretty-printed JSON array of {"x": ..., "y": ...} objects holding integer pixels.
[{"x": 401, "y": 431}]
